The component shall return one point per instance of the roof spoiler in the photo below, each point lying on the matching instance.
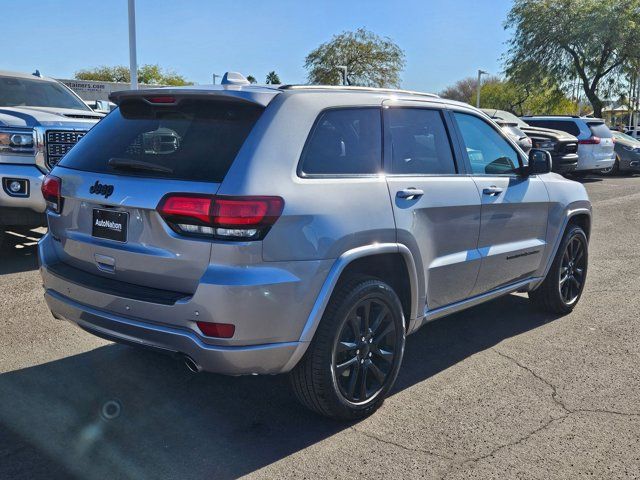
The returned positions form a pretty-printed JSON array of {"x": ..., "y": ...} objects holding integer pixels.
[{"x": 172, "y": 96}]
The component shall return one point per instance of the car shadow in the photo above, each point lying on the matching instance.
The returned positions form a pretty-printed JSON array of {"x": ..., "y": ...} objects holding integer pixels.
[
  {"x": 588, "y": 179},
  {"x": 120, "y": 412},
  {"x": 19, "y": 250}
]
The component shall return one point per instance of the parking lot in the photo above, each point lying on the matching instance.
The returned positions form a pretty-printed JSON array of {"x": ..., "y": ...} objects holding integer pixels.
[{"x": 498, "y": 391}]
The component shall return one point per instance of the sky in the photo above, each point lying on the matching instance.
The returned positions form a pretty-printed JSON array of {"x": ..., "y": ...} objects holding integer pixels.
[{"x": 444, "y": 41}]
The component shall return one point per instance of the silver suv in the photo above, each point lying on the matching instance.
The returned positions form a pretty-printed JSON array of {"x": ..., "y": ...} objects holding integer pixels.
[{"x": 302, "y": 229}]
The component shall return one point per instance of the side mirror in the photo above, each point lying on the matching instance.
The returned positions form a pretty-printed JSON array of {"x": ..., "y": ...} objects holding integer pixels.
[{"x": 539, "y": 162}]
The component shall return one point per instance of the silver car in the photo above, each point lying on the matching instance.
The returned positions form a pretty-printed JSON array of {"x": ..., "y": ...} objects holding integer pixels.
[{"x": 302, "y": 230}]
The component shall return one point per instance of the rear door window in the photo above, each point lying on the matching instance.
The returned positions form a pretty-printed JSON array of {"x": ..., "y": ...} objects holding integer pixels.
[
  {"x": 419, "y": 142},
  {"x": 562, "y": 125},
  {"x": 196, "y": 140},
  {"x": 345, "y": 141}
]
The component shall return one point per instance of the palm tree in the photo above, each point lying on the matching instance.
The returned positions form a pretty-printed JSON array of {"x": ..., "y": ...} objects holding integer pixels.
[{"x": 273, "y": 78}]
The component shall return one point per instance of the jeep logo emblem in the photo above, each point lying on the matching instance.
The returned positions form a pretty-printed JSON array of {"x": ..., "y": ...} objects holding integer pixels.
[{"x": 100, "y": 189}]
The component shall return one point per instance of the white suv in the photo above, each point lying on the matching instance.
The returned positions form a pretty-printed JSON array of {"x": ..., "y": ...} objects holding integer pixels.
[{"x": 595, "y": 142}]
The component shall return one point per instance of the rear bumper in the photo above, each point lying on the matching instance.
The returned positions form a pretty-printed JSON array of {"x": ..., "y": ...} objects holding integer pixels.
[
  {"x": 33, "y": 199},
  {"x": 267, "y": 358},
  {"x": 589, "y": 161},
  {"x": 268, "y": 305}
]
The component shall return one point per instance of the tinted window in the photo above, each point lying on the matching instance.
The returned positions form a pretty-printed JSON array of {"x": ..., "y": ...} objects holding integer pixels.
[
  {"x": 344, "y": 141},
  {"x": 194, "y": 141},
  {"x": 564, "y": 126},
  {"x": 599, "y": 129},
  {"x": 419, "y": 142},
  {"x": 488, "y": 152},
  {"x": 15, "y": 92}
]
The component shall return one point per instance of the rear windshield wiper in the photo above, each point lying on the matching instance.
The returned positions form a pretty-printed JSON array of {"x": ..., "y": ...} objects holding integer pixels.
[{"x": 129, "y": 164}]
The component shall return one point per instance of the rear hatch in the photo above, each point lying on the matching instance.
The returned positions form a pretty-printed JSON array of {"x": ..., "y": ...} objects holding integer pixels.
[
  {"x": 601, "y": 138},
  {"x": 115, "y": 178}
]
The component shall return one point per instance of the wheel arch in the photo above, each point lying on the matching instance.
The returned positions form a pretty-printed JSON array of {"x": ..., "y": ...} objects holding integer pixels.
[
  {"x": 375, "y": 260},
  {"x": 579, "y": 215}
]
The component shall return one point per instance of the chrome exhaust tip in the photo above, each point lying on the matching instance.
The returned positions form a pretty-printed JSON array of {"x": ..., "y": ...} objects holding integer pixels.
[{"x": 191, "y": 364}]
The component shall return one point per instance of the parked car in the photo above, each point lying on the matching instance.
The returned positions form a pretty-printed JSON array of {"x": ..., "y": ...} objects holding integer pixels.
[
  {"x": 633, "y": 132},
  {"x": 627, "y": 151},
  {"x": 40, "y": 120},
  {"x": 278, "y": 233},
  {"x": 518, "y": 136},
  {"x": 562, "y": 146},
  {"x": 595, "y": 143}
]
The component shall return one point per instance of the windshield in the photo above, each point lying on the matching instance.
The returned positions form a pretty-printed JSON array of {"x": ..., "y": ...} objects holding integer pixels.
[
  {"x": 23, "y": 92},
  {"x": 624, "y": 136}
]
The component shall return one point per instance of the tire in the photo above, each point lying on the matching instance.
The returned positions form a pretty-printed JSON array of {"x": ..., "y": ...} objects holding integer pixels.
[
  {"x": 612, "y": 170},
  {"x": 562, "y": 288},
  {"x": 338, "y": 362}
]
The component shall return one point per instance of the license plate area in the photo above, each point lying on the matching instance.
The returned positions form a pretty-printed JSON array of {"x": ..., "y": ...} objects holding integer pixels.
[{"x": 110, "y": 224}]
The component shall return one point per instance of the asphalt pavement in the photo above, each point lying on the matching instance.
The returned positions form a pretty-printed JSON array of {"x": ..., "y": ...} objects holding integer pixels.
[{"x": 499, "y": 391}]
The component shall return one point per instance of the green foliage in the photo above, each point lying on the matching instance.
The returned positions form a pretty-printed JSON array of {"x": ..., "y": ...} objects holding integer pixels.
[
  {"x": 148, "y": 74},
  {"x": 542, "y": 98},
  {"x": 371, "y": 60},
  {"x": 273, "y": 78},
  {"x": 592, "y": 40},
  {"x": 461, "y": 91},
  {"x": 251, "y": 79}
]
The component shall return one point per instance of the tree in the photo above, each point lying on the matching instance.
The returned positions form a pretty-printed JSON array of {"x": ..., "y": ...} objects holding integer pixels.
[
  {"x": 461, "y": 91},
  {"x": 542, "y": 97},
  {"x": 149, "y": 74},
  {"x": 251, "y": 79},
  {"x": 564, "y": 39},
  {"x": 273, "y": 78},
  {"x": 371, "y": 60}
]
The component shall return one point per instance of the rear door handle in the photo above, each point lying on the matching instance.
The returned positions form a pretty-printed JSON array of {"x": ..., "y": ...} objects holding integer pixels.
[
  {"x": 410, "y": 193},
  {"x": 492, "y": 190}
]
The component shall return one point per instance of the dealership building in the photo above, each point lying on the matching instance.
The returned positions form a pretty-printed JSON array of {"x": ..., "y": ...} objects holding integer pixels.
[{"x": 92, "y": 90}]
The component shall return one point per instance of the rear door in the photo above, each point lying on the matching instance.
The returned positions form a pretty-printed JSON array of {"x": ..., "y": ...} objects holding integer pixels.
[
  {"x": 514, "y": 207},
  {"x": 436, "y": 209},
  {"x": 114, "y": 179}
]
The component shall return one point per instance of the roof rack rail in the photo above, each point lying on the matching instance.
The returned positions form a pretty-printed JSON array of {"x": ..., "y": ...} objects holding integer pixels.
[
  {"x": 551, "y": 115},
  {"x": 355, "y": 89}
]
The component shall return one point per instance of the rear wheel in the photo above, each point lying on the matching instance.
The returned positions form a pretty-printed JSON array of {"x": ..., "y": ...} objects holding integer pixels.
[
  {"x": 354, "y": 358},
  {"x": 613, "y": 169},
  {"x": 564, "y": 283}
]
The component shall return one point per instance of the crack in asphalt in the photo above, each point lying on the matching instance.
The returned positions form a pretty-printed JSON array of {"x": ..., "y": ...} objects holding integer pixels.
[
  {"x": 399, "y": 445},
  {"x": 554, "y": 396},
  {"x": 554, "y": 390}
]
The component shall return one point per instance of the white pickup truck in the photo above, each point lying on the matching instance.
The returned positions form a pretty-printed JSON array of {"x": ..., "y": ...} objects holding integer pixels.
[{"x": 40, "y": 120}]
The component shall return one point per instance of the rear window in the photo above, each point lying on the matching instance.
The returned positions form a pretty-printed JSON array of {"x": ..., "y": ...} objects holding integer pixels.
[
  {"x": 599, "y": 129},
  {"x": 196, "y": 140},
  {"x": 565, "y": 126},
  {"x": 346, "y": 141}
]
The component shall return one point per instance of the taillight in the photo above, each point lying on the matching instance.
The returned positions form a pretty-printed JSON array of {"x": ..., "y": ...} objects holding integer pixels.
[
  {"x": 228, "y": 218},
  {"x": 51, "y": 191},
  {"x": 220, "y": 330},
  {"x": 590, "y": 141}
]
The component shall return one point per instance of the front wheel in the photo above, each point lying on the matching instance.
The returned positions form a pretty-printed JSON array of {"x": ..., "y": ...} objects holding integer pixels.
[
  {"x": 355, "y": 355},
  {"x": 564, "y": 283}
]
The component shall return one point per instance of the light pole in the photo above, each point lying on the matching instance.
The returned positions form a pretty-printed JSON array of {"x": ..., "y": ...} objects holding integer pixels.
[
  {"x": 480, "y": 73},
  {"x": 344, "y": 70},
  {"x": 214, "y": 77},
  {"x": 133, "y": 62}
]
